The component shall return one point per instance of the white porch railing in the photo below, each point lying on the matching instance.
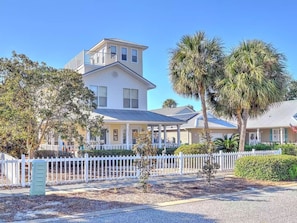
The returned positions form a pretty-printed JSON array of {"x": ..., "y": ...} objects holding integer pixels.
[{"x": 85, "y": 169}]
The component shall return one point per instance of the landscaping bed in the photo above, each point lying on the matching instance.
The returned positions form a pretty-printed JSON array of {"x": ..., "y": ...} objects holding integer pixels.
[{"x": 62, "y": 204}]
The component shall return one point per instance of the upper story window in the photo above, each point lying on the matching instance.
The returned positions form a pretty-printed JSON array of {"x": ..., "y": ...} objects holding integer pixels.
[
  {"x": 134, "y": 55},
  {"x": 130, "y": 98},
  {"x": 113, "y": 51},
  {"x": 102, "y": 96},
  {"x": 103, "y": 56},
  {"x": 124, "y": 53},
  {"x": 100, "y": 93}
]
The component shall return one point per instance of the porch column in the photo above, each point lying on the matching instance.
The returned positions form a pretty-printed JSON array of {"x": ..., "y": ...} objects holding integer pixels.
[
  {"x": 60, "y": 143},
  {"x": 258, "y": 136},
  {"x": 165, "y": 135},
  {"x": 281, "y": 135},
  {"x": 127, "y": 135},
  {"x": 159, "y": 136},
  {"x": 88, "y": 137},
  {"x": 152, "y": 134},
  {"x": 178, "y": 135}
]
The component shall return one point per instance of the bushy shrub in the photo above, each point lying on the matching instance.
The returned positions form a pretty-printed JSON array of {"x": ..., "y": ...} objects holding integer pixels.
[
  {"x": 191, "y": 149},
  {"x": 51, "y": 153},
  {"x": 288, "y": 149},
  {"x": 259, "y": 147},
  {"x": 111, "y": 152},
  {"x": 274, "y": 168}
]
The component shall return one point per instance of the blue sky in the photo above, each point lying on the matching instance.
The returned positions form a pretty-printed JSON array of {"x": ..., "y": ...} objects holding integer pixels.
[{"x": 54, "y": 31}]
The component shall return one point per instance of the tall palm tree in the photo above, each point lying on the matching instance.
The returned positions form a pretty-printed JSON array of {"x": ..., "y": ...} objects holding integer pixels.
[
  {"x": 255, "y": 78},
  {"x": 169, "y": 103},
  {"x": 193, "y": 65}
]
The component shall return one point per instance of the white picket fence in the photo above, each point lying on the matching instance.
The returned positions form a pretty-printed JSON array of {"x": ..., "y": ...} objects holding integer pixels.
[{"x": 17, "y": 172}]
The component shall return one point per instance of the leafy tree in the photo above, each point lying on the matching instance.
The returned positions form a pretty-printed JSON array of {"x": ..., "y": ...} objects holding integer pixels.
[
  {"x": 37, "y": 100},
  {"x": 291, "y": 93},
  {"x": 228, "y": 144},
  {"x": 255, "y": 78},
  {"x": 169, "y": 103},
  {"x": 144, "y": 149},
  {"x": 193, "y": 65}
]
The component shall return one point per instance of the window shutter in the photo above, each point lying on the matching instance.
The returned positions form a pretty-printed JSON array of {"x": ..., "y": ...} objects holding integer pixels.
[
  {"x": 286, "y": 135},
  {"x": 270, "y": 135}
]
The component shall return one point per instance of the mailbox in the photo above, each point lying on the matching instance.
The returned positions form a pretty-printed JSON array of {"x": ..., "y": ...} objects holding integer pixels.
[{"x": 37, "y": 186}]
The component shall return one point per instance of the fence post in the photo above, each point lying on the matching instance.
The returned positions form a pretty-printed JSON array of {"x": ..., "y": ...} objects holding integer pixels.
[
  {"x": 181, "y": 163},
  {"x": 253, "y": 152},
  {"x": 221, "y": 160},
  {"x": 86, "y": 167},
  {"x": 23, "y": 170},
  {"x": 280, "y": 151}
]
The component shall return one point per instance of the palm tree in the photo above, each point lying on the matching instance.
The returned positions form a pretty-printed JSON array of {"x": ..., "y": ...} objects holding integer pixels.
[
  {"x": 193, "y": 65},
  {"x": 229, "y": 144},
  {"x": 169, "y": 103},
  {"x": 254, "y": 79}
]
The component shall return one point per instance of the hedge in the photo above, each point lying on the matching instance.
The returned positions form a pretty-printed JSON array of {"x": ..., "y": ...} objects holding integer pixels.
[
  {"x": 274, "y": 168},
  {"x": 191, "y": 149}
]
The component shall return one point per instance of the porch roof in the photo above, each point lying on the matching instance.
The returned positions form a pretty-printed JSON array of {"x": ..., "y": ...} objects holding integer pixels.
[{"x": 136, "y": 116}]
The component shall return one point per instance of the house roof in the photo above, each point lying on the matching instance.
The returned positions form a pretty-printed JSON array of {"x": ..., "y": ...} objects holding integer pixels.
[
  {"x": 139, "y": 116},
  {"x": 279, "y": 115},
  {"x": 127, "y": 69},
  {"x": 115, "y": 40},
  {"x": 174, "y": 111}
]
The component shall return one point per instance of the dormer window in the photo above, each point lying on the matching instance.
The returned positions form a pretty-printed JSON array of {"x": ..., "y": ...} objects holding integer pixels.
[
  {"x": 113, "y": 51},
  {"x": 134, "y": 55},
  {"x": 124, "y": 54}
]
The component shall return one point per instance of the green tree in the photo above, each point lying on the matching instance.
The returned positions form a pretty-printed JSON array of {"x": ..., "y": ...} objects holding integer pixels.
[
  {"x": 169, "y": 103},
  {"x": 193, "y": 66},
  {"x": 291, "y": 93},
  {"x": 37, "y": 100},
  {"x": 255, "y": 77},
  {"x": 228, "y": 144}
]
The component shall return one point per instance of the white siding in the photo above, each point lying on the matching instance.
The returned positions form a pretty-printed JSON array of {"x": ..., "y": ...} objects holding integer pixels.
[{"x": 116, "y": 79}]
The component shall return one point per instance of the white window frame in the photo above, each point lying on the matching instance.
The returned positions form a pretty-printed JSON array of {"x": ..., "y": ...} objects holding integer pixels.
[
  {"x": 132, "y": 55},
  {"x": 276, "y": 137},
  {"x": 122, "y": 54},
  {"x": 113, "y": 53},
  {"x": 131, "y": 96},
  {"x": 101, "y": 96},
  {"x": 95, "y": 90}
]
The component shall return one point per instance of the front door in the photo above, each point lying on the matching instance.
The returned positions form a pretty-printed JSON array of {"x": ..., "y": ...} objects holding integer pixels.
[{"x": 253, "y": 138}]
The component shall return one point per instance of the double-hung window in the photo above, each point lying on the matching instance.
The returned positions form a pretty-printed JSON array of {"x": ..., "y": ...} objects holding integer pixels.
[
  {"x": 134, "y": 55},
  {"x": 130, "y": 98},
  {"x": 102, "y": 96},
  {"x": 124, "y": 54},
  {"x": 100, "y": 93},
  {"x": 113, "y": 51}
]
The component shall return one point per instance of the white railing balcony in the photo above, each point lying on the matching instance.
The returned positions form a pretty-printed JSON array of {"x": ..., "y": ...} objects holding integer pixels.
[{"x": 95, "y": 58}]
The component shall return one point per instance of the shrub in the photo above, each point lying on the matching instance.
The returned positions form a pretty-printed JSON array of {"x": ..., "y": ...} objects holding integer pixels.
[
  {"x": 112, "y": 152},
  {"x": 289, "y": 149},
  {"x": 259, "y": 147},
  {"x": 51, "y": 153},
  {"x": 191, "y": 149},
  {"x": 274, "y": 168}
]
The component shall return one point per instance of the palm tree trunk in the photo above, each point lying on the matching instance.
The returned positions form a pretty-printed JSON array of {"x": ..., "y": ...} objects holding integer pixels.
[
  {"x": 243, "y": 130},
  {"x": 204, "y": 113}
]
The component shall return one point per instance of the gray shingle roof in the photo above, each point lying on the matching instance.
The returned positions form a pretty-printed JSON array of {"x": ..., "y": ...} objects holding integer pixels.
[
  {"x": 125, "y": 116},
  {"x": 279, "y": 115}
]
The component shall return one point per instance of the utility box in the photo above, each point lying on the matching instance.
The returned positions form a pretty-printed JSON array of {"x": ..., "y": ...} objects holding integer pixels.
[{"x": 38, "y": 177}]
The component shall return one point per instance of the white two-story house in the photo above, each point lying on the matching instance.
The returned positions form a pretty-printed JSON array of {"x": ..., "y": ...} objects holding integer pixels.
[{"x": 113, "y": 70}]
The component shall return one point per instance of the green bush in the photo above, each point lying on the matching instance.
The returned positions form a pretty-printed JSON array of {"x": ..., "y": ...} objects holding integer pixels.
[
  {"x": 288, "y": 149},
  {"x": 51, "y": 153},
  {"x": 259, "y": 147},
  {"x": 274, "y": 168},
  {"x": 111, "y": 152},
  {"x": 191, "y": 149}
]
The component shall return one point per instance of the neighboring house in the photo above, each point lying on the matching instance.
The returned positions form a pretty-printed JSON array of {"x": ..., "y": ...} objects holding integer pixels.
[
  {"x": 277, "y": 125},
  {"x": 192, "y": 130},
  {"x": 113, "y": 70}
]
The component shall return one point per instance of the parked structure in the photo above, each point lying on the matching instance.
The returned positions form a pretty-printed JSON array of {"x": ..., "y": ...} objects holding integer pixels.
[{"x": 113, "y": 70}]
